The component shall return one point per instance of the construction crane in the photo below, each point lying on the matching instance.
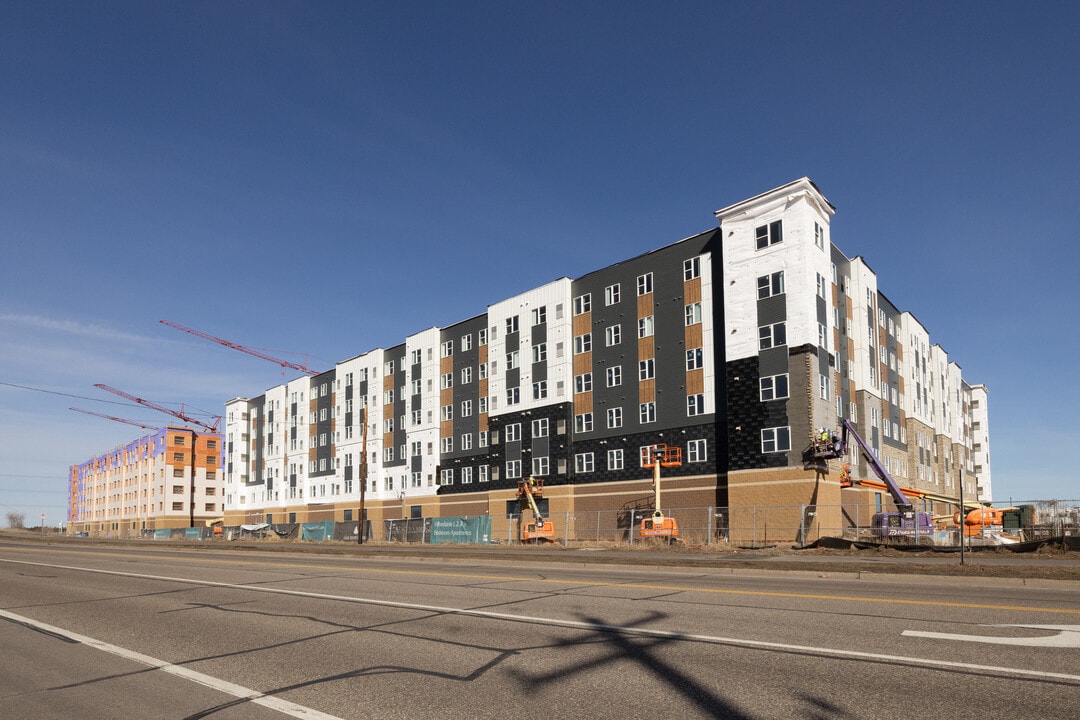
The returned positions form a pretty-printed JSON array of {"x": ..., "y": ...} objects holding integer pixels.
[
  {"x": 540, "y": 529},
  {"x": 144, "y": 426},
  {"x": 656, "y": 524},
  {"x": 159, "y": 408},
  {"x": 242, "y": 348}
]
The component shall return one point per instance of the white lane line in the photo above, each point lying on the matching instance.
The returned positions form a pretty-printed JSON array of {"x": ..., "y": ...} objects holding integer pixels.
[
  {"x": 238, "y": 691},
  {"x": 582, "y": 625}
]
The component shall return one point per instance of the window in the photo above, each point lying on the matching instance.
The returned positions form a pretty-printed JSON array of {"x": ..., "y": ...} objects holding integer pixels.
[
  {"x": 583, "y": 304},
  {"x": 466, "y": 408},
  {"x": 511, "y": 324},
  {"x": 694, "y": 359},
  {"x": 696, "y": 451},
  {"x": 446, "y": 477},
  {"x": 178, "y": 506},
  {"x": 645, "y": 284},
  {"x": 614, "y": 417},
  {"x": 513, "y": 432},
  {"x": 614, "y": 376},
  {"x": 541, "y": 465},
  {"x": 583, "y": 383},
  {"x": 466, "y": 375},
  {"x": 540, "y": 427},
  {"x": 613, "y": 335},
  {"x": 584, "y": 463},
  {"x": 513, "y": 469},
  {"x": 645, "y": 326},
  {"x": 466, "y": 342},
  {"x": 583, "y": 343},
  {"x": 776, "y": 439},
  {"x": 178, "y": 457},
  {"x": 513, "y": 396},
  {"x": 447, "y": 381},
  {"x": 540, "y": 390},
  {"x": 615, "y": 459},
  {"x": 482, "y": 337},
  {"x": 446, "y": 351},
  {"x": 483, "y": 473},
  {"x": 691, "y": 268},
  {"x": 823, "y": 386},
  {"x": 539, "y": 353},
  {"x": 211, "y": 444},
  {"x": 539, "y": 315},
  {"x": 466, "y": 441},
  {"x": 692, "y": 314},
  {"x": 647, "y": 412},
  {"x": 774, "y": 387},
  {"x": 178, "y": 489},
  {"x": 819, "y": 236},
  {"x": 513, "y": 360},
  {"x": 446, "y": 445},
  {"x": 767, "y": 235},
  {"x": 695, "y": 404},
  {"x": 821, "y": 286},
  {"x": 583, "y": 423},
  {"x": 647, "y": 369},
  {"x": 612, "y": 294},
  {"x": 769, "y": 285},
  {"x": 772, "y": 336},
  {"x": 178, "y": 440}
]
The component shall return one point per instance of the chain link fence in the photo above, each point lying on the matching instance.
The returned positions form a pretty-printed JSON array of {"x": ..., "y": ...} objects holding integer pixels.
[{"x": 745, "y": 527}]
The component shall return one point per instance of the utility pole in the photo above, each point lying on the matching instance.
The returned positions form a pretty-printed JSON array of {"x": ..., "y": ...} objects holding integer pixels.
[
  {"x": 963, "y": 517},
  {"x": 363, "y": 477}
]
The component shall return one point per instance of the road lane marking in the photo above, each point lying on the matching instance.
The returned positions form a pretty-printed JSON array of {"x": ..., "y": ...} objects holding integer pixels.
[
  {"x": 595, "y": 626},
  {"x": 238, "y": 691},
  {"x": 1067, "y": 636},
  {"x": 633, "y": 586}
]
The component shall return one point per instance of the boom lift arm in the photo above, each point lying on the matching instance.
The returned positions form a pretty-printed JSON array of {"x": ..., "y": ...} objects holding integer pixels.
[
  {"x": 541, "y": 528},
  {"x": 902, "y": 502}
]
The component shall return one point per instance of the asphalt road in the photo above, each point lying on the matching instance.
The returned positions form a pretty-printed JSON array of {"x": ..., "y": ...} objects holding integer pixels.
[{"x": 94, "y": 631}]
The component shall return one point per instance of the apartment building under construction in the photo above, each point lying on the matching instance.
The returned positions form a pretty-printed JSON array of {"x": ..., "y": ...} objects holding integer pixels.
[{"x": 737, "y": 345}]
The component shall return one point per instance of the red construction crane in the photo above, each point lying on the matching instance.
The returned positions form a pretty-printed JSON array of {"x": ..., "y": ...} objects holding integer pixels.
[
  {"x": 110, "y": 417},
  {"x": 159, "y": 408},
  {"x": 244, "y": 349}
]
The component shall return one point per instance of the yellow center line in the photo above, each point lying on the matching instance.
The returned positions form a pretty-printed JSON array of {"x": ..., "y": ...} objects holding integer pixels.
[{"x": 602, "y": 584}]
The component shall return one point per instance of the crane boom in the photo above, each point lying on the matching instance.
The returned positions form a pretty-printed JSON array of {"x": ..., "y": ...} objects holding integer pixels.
[
  {"x": 242, "y": 348},
  {"x": 159, "y": 408},
  {"x": 110, "y": 417}
]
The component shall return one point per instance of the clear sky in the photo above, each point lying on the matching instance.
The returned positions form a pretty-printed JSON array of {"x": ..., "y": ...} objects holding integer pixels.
[{"x": 318, "y": 179}]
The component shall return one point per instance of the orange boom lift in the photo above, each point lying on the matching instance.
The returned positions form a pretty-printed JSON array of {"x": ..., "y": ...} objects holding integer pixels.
[
  {"x": 657, "y": 456},
  {"x": 540, "y": 529}
]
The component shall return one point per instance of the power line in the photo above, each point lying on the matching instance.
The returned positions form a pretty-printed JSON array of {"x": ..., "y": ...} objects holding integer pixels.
[
  {"x": 84, "y": 397},
  {"x": 53, "y": 392}
]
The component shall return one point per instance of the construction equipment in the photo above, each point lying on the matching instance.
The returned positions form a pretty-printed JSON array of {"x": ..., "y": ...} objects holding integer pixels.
[
  {"x": 208, "y": 427},
  {"x": 540, "y": 529},
  {"x": 656, "y": 524},
  {"x": 144, "y": 426},
  {"x": 242, "y": 348},
  {"x": 905, "y": 525}
]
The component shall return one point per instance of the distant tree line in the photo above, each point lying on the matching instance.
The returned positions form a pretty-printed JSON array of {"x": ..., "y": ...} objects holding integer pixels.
[{"x": 16, "y": 520}]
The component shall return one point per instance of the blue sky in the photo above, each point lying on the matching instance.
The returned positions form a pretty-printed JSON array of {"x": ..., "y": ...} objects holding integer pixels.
[{"x": 320, "y": 179}]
